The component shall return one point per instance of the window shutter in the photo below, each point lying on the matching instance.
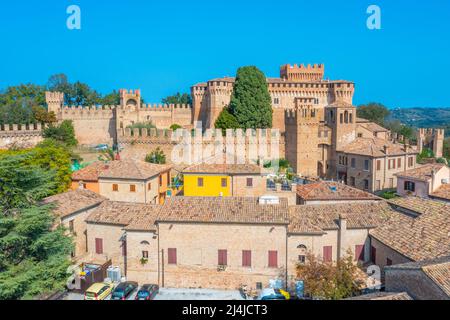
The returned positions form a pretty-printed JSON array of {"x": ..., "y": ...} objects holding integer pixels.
[
  {"x": 327, "y": 253},
  {"x": 222, "y": 257},
  {"x": 359, "y": 253},
  {"x": 98, "y": 246},
  {"x": 246, "y": 258},
  {"x": 172, "y": 256},
  {"x": 273, "y": 257},
  {"x": 373, "y": 257}
]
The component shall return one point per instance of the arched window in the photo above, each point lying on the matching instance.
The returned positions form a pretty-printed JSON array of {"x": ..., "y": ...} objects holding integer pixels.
[
  {"x": 145, "y": 242},
  {"x": 346, "y": 116},
  {"x": 351, "y": 117},
  {"x": 341, "y": 118}
]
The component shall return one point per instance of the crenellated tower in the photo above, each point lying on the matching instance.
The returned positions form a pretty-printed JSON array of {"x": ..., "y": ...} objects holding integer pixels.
[
  {"x": 300, "y": 73},
  {"x": 432, "y": 139},
  {"x": 55, "y": 101}
]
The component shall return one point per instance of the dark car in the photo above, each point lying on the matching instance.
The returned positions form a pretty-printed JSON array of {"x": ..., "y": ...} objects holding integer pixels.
[
  {"x": 123, "y": 290},
  {"x": 147, "y": 292}
]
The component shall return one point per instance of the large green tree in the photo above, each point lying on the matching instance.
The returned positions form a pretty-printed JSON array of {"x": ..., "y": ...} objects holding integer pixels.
[
  {"x": 373, "y": 111},
  {"x": 64, "y": 133},
  {"x": 178, "y": 98},
  {"x": 226, "y": 121},
  {"x": 250, "y": 101}
]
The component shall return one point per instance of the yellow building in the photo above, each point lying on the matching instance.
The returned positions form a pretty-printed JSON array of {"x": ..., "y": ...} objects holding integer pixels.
[{"x": 213, "y": 180}]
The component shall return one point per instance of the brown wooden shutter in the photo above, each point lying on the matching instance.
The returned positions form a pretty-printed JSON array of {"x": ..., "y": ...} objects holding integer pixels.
[
  {"x": 222, "y": 257},
  {"x": 98, "y": 246},
  {"x": 246, "y": 258},
  {"x": 273, "y": 259},
  {"x": 373, "y": 254},
  {"x": 124, "y": 248},
  {"x": 359, "y": 253},
  {"x": 327, "y": 253},
  {"x": 172, "y": 256}
]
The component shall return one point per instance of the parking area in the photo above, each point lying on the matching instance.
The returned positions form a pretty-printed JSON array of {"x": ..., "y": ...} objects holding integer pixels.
[
  {"x": 197, "y": 294},
  {"x": 176, "y": 294}
]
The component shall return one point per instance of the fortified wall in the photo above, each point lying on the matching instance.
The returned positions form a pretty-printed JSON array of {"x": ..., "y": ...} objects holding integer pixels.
[
  {"x": 247, "y": 145},
  {"x": 20, "y": 136}
]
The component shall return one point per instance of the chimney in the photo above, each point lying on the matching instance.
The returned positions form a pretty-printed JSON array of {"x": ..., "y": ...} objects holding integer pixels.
[
  {"x": 80, "y": 185},
  {"x": 385, "y": 149},
  {"x": 342, "y": 235},
  {"x": 433, "y": 179}
]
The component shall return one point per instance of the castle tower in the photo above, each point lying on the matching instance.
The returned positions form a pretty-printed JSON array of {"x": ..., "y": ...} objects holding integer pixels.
[
  {"x": 219, "y": 96},
  {"x": 432, "y": 139},
  {"x": 341, "y": 118},
  {"x": 130, "y": 98},
  {"x": 304, "y": 149},
  {"x": 55, "y": 101},
  {"x": 438, "y": 143},
  {"x": 301, "y": 73}
]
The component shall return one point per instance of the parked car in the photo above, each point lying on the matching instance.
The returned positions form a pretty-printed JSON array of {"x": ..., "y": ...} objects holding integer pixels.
[
  {"x": 147, "y": 292},
  {"x": 274, "y": 294},
  {"x": 123, "y": 290},
  {"x": 98, "y": 291},
  {"x": 101, "y": 147}
]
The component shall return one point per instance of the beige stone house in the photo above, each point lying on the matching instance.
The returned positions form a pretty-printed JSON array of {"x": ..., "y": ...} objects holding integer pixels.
[
  {"x": 331, "y": 192},
  {"x": 134, "y": 181},
  {"x": 418, "y": 231},
  {"x": 423, "y": 181},
  {"x": 71, "y": 209},
  {"x": 224, "y": 242},
  {"x": 371, "y": 164}
]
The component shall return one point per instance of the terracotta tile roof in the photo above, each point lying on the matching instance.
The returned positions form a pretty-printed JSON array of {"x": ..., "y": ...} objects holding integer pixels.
[
  {"x": 443, "y": 192},
  {"x": 425, "y": 236},
  {"x": 89, "y": 173},
  {"x": 133, "y": 216},
  {"x": 128, "y": 169},
  {"x": 438, "y": 270},
  {"x": 374, "y": 147},
  {"x": 423, "y": 173},
  {"x": 383, "y": 296},
  {"x": 330, "y": 190},
  {"x": 223, "y": 210},
  {"x": 372, "y": 126},
  {"x": 224, "y": 168},
  {"x": 73, "y": 201},
  {"x": 318, "y": 218}
]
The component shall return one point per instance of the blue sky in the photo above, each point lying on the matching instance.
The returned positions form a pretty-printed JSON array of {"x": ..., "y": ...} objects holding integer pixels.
[{"x": 165, "y": 47}]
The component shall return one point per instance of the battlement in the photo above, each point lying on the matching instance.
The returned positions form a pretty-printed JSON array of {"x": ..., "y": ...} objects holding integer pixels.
[
  {"x": 21, "y": 128},
  {"x": 424, "y": 132},
  {"x": 164, "y": 107},
  {"x": 302, "y": 73},
  {"x": 123, "y": 92},
  {"x": 54, "y": 97}
]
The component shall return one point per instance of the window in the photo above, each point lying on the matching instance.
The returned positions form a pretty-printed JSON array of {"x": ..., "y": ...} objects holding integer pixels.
[
  {"x": 399, "y": 162},
  {"x": 98, "y": 246},
  {"x": 132, "y": 188},
  {"x": 168, "y": 177},
  {"x": 145, "y": 254},
  {"x": 246, "y": 258},
  {"x": 391, "y": 183},
  {"x": 172, "y": 256},
  {"x": 410, "y": 161},
  {"x": 360, "y": 135},
  {"x": 377, "y": 185},
  {"x": 222, "y": 257},
  {"x": 327, "y": 253},
  {"x": 200, "y": 182},
  {"x": 302, "y": 259},
  {"x": 273, "y": 259},
  {"x": 391, "y": 164},
  {"x": 378, "y": 165},
  {"x": 388, "y": 262},
  {"x": 149, "y": 186},
  {"x": 224, "y": 182},
  {"x": 160, "y": 180},
  {"x": 276, "y": 100},
  {"x": 249, "y": 182},
  {"x": 366, "y": 165},
  {"x": 71, "y": 227},
  {"x": 115, "y": 187},
  {"x": 259, "y": 286},
  {"x": 410, "y": 186},
  {"x": 366, "y": 184},
  {"x": 359, "y": 253},
  {"x": 353, "y": 163}
]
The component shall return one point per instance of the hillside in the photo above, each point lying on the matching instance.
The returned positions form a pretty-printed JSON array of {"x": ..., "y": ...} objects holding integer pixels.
[{"x": 423, "y": 117}]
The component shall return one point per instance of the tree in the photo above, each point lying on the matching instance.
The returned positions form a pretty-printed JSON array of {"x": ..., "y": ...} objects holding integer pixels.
[
  {"x": 178, "y": 98},
  {"x": 425, "y": 154},
  {"x": 226, "y": 120},
  {"x": 175, "y": 126},
  {"x": 446, "y": 151},
  {"x": 111, "y": 99},
  {"x": 375, "y": 112},
  {"x": 156, "y": 156},
  {"x": 64, "y": 133},
  {"x": 42, "y": 115},
  {"x": 250, "y": 101},
  {"x": 327, "y": 280}
]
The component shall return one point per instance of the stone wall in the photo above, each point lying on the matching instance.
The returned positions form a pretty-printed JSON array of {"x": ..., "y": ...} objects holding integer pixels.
[{"x": 20, "y": 136}]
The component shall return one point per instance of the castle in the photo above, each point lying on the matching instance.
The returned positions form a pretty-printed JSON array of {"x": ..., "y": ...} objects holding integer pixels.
[{"x": 315, "y": 116}]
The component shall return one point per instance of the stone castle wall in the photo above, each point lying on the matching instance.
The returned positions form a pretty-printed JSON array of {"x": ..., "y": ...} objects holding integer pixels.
[{"x": 20, "y": 136}]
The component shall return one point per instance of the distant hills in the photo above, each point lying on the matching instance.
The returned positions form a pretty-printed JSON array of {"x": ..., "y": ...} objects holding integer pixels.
[{"x": 423, "y": 117}]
